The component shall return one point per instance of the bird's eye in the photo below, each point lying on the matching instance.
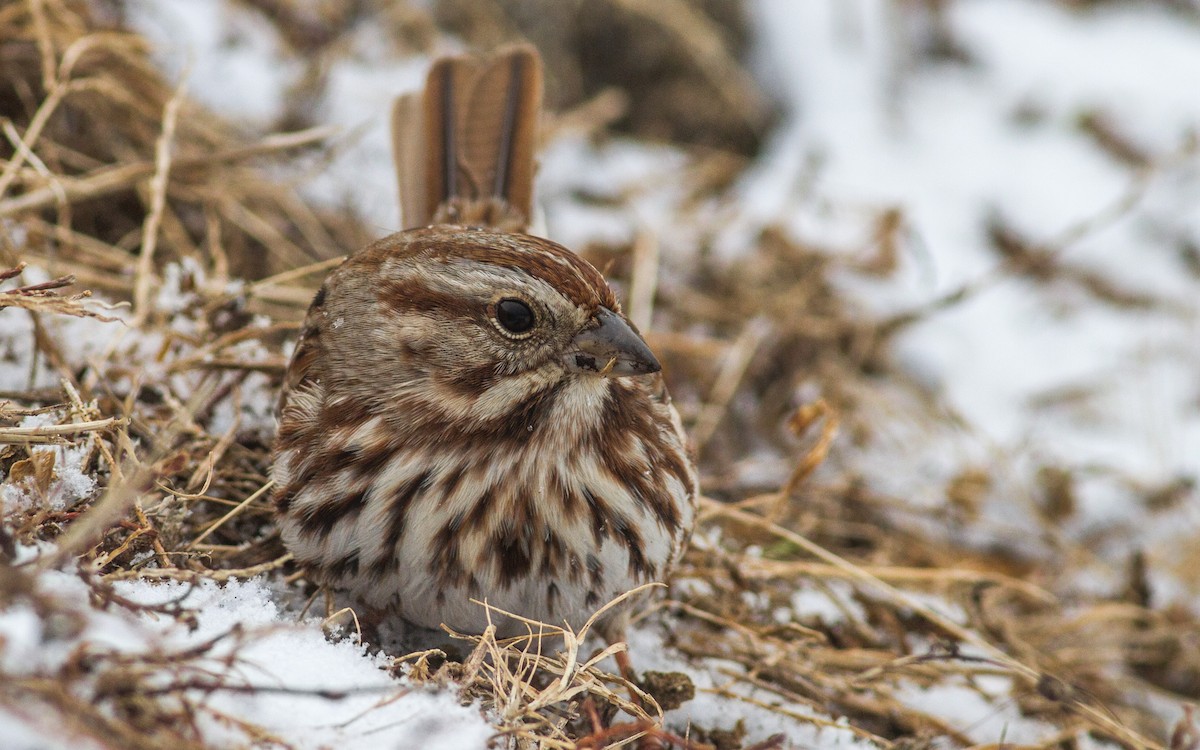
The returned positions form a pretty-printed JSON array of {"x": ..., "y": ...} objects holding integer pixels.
[{"x": 514, "y": 316}]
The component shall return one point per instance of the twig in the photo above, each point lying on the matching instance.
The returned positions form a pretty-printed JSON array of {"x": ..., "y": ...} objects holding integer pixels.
[
  {"x": 54, "y": 433},
  {"x": 191, "y": 576},
  {"x": 1099, "y": 719},
  {"x": 235, "y": 511},
  {"x": 108, "y": 180},
  {"x": 804, "y": 417},
  {"x": 158, "y": 202},
  {"x": 643, "y": 280},
  {"x": 733, "y": 369}
]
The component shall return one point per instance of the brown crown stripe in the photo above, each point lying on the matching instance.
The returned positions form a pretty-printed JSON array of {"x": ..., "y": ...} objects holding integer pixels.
[
  {"x": 542, "y": 259},
  {"x": 414, "y": 295}
]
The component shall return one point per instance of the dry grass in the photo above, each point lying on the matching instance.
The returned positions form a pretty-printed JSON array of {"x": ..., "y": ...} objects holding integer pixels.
[{"x": 113, "y": 174}]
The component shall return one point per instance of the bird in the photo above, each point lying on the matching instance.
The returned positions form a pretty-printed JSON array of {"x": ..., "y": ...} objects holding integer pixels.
[{"x": 468, "y": 415}]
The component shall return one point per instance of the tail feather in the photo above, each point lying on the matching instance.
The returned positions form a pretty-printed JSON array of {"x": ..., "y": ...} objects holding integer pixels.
[
  {"x": 477, "y": 132},
  {"x": 408, "y": 150}
]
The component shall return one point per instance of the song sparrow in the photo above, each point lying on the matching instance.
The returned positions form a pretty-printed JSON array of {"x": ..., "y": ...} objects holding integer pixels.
[{"x": 468, "y": 413}]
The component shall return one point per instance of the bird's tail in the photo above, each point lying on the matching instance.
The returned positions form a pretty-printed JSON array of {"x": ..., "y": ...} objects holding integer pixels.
[{"x": 464, "y": 147}]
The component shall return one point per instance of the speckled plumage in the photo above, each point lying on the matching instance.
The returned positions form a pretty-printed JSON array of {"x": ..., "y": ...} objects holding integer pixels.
[
  {"x": 422, "y": 461},
  {"x": 428, "y": 456}
]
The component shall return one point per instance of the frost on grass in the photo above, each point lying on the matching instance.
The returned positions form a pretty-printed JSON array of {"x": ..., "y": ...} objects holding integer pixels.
[{"x": 54, "y": 476}]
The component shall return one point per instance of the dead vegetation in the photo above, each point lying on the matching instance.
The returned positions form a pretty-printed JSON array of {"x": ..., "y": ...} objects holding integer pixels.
[{"x": 113, "y": 181}]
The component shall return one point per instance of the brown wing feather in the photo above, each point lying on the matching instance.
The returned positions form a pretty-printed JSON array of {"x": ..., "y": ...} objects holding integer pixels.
[
  {"x": 443, "y": 85},
  {"x": 477, "y": 136},
  {"x": 307, "y": 352},
  {"x": 408, "y": 150},
  {"x": 498, "y": 128}
]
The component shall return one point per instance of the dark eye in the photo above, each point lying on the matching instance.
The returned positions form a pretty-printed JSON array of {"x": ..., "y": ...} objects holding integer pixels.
[{"x": 514, "y": 316}]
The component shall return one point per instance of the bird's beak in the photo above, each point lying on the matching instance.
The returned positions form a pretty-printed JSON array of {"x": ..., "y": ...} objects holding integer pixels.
[{"x": 610, "y": 348}]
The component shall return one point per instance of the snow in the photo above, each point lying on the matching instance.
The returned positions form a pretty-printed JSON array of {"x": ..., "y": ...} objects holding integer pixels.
[
  {"x": 712, "y": 710},
  {"x": 945, "y": 144},
  {"x": 376, "y": 710},
  {"x": 69, "y": 481},
  {"x": 270, "y": 650},
  {"x": 177, "y": 288},
  {"x": 358, "y": 97},
  {"x": 982, "y": 719},
  {"x": 231, "y": 58}
]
